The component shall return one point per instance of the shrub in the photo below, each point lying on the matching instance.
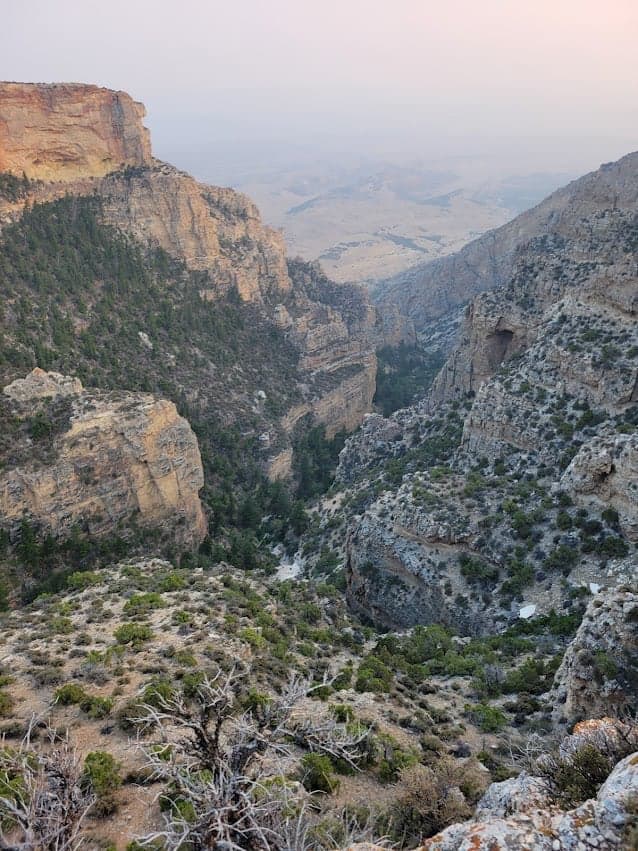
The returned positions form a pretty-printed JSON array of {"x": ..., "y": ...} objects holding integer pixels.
[
  {"x": 561, "y": 558},
  {"x": 135, "y": 634},
  {"x": 395, "y": 759},
  {"x": 82, "y": 579},
  {"x": 475, "y": 570},
  {"x": 374, "y": 675},
  {"x": 70, "y": 694},
  {"x": 172, "y": 582},
  {"x": 102, "y": 775},
  {"x": 6, "y": 703},
  {"x": 605, "y": 665},
  {"x": 488, "y": 718},
  {"x": 424, "y": 805},
  {"x": 141, "y": 604},
  {"x": 96, "y": 707},
  {"x": 576, "y": 777},
  {"x": 157, "y": 692},
  {"x": 317, "y": 774}
]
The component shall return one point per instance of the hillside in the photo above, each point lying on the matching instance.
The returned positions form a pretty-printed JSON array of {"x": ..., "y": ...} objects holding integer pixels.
[{"x": 511, "y": 485}]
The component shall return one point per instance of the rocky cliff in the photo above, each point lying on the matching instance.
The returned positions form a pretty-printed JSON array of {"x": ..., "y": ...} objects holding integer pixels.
[
  {"x": 433, "y": 289},
  {"x": 113, "y": 462},
  {"x": 599, "y": 672},
  {"x": 512, "y": 485},
  {"x": 67, "y": 131},
  {"x": 90, "y": 143}
]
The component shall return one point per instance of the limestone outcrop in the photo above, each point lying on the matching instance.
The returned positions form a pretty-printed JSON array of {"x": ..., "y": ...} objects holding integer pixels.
[
  {"x": 122, "y": 460},
  {"x": 599, "y": 672},
  {"x": 605, "y": 471},
  {"x": 66, "y": 131},
  {"x": 520, "y": 814},
  {"x": 40, "y": 384}
]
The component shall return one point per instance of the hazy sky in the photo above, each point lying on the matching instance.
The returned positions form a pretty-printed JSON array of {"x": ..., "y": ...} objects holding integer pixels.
[{"x": 556, "y": 77}]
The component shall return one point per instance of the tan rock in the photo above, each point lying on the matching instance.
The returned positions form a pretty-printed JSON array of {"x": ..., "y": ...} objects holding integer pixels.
[
  {"x": 65, "y": 131},
  {"x": 126, "y": 457},
  {"x": 208, "y": 228}
]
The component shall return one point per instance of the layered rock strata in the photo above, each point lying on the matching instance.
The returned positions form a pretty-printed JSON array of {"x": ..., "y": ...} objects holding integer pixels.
[{"x": 125, "y": 460}]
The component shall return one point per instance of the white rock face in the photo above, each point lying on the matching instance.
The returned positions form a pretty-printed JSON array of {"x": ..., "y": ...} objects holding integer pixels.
[
  {"x": 40, "y": 385},
  {"x": 527, "y": 612},
  {"x": 517, "y": 815},
  {"x": 145, "y": 339}
]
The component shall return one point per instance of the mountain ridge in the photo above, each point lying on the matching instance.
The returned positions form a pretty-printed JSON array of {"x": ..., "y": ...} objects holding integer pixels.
[{"x": 429, "y": 291}]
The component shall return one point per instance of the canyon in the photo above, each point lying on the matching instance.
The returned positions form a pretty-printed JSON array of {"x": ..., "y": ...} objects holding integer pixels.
[
  {"x": 179, "y": 557},
  {"x": 62, "y": 140}
]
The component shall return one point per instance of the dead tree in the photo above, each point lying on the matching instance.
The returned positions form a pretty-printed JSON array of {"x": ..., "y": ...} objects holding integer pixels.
[
  {"x": 43, "y": 802},
  {"x": 223, "y": 789}
]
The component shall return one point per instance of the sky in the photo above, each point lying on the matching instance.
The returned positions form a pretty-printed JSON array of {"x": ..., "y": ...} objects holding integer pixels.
[{"x": 551, "y": 83}]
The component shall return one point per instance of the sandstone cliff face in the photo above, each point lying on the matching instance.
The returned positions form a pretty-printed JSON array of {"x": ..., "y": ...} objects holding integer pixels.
[
  {"x": 431, "y": 290},
  {"x": 211, "y": 229},
  {"x": 124, "y": 459},
  {"x": 88, "y": 141},
  {"x": 67, "y": 131}
]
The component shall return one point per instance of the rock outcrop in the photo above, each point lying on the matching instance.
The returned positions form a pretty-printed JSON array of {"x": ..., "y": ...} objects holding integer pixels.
[
  {"x": 512, "y": 821},
  {"x": 66, "y": 131},
  {"x": 123, "y": 460},
  {"x": 599, "y": 672},
  {"x": 604, "y": 471},
  {"x": 520, "y": 814},
  {"x": 40, "y": 384}
]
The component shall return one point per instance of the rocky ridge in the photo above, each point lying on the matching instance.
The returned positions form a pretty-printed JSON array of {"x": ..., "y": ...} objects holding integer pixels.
[{"x": 432, "y": 289}]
